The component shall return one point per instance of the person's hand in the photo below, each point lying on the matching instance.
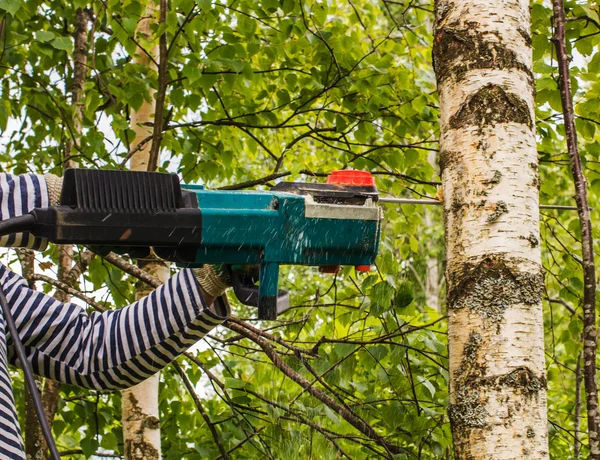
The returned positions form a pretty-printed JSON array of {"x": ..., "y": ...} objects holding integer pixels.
[
  {"x": 216, "y": 279},
  {"x": 54, "y": 186},
  {"x": 213, "y": 279}
]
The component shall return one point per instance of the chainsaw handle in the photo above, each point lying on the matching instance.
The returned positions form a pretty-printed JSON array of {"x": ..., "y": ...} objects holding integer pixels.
[{"x": 270, "y": 300}]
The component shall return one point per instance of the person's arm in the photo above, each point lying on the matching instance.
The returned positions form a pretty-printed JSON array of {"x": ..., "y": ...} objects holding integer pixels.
[
  {"x": 21, "y": 194},
  {"x": 114, "y": 349}
]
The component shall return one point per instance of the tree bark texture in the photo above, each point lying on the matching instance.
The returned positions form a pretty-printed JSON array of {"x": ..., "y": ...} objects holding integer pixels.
[
  {"x": 590, "y": 338},
  {"x": 482, "y": 60},
  {"x": 34, "y": 438},
  {"x": 80, "y": 52},
  {"x": 140, "y": 416},
  {"x": 432, "y": 273},
  {"x": 159, "y": 105},
  {"x": 577, "y": 417},
  {"x": 51, "y": 389}
]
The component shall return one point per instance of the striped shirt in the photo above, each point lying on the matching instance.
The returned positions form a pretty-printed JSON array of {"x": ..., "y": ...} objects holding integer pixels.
[{"x": 111, "y": 350}]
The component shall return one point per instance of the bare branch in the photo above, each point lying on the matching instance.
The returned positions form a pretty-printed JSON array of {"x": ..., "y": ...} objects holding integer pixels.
[
  {"x": 200, "y": 408},
  {"x": 68, "y": 289},
  {"x": 349, "y": 415}
]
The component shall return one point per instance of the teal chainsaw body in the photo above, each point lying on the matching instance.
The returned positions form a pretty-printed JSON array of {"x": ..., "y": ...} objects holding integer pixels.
[{"x": 324, "y": 225}]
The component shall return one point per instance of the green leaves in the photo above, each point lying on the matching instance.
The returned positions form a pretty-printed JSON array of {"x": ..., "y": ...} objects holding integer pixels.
[
  {"x": 10, "y": 6},
  {"x": 44, "y": 35},
  {"x": 403, "y": 296},
  {"x": 255, "y": 87},
  {"x": 62, "y": 43}
]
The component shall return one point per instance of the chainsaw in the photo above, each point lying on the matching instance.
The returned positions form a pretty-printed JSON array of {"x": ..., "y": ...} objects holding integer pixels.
[{"x": 132, "y": 212}]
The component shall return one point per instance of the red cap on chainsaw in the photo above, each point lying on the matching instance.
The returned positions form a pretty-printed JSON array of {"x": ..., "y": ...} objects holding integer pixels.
[{"x": 351, "y": 177}]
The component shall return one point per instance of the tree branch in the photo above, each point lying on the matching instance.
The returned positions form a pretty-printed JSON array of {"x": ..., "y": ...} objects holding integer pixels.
[
  {"x": 132, "y": 270},
  {"x": 349, "y": 415},
  {"x": 68, "y": 289},
  {"x": 200, "y": 408},
  {"x": 159, "y": 105},
  {"x": 590, "y": 339}
]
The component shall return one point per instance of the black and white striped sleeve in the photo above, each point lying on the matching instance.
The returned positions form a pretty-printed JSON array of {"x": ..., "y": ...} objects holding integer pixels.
[
  {"x": 18, "y": 196},
  {"x": 111, "y": 350}
]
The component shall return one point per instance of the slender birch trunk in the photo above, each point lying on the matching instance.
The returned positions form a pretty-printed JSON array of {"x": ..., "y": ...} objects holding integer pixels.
[
  {"x": 141, "y": 423},
  {"x": 35, "y": 444},
  {"x": 432, "y": 270},
  {"x": 482, "y": 60},
  {"x": 577, "y": 417},
  {"x": 590, "y": 328}
]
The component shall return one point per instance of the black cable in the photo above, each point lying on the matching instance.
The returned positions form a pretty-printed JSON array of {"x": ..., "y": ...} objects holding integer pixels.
[
  {"x": 26, "y": 366},
  {"x": 17, "y": 224}
]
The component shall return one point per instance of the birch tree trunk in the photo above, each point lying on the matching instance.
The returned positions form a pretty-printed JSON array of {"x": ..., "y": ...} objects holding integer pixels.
[
  {"x": 35, "y": 444},
  {"x": 482, "y": 60},
  {"x": 140, "y": 417},
  {"x": 432, "y": 271}
]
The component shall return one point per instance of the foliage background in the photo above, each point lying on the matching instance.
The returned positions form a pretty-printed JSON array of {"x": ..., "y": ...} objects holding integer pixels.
[{"x": 265, "y": 90}]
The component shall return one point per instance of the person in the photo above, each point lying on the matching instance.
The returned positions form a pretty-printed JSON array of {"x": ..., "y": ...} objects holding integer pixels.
[{"x": 111, "y": 350}]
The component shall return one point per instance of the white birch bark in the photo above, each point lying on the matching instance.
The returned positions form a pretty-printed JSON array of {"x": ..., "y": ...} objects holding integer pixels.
[
  {"x": 482, "y": 59},
  {"x": 140, "y": 416},
  {"x": 432, "y": 268}
]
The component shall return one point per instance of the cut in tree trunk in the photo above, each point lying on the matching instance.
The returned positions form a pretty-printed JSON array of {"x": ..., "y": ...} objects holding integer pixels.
[
  {"x": 141, "y": 423},
  {"x": 482, "y": 60},
  {"x": 590, "y": 339}
]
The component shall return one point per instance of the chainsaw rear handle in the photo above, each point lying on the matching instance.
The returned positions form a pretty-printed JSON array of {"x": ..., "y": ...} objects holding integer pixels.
[{"x": 270, "y": 300}]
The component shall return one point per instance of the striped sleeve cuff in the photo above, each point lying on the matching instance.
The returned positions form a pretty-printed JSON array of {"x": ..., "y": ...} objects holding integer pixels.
[{"x": 18, "y": 196}]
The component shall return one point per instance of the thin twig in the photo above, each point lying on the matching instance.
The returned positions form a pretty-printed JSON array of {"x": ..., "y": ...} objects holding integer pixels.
[{"x": 200, "y": 408}]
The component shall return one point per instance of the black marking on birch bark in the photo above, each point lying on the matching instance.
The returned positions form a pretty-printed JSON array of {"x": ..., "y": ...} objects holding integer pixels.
[
  {"x": 491, "y": 105},
  {"x": 500, "y": 208},
  {"x": 468, "y": 410},
  {"x": 495, "y": 179},
  {"x": 488, "y": 287},
  {"x": 441, "y": 8},
  {"x": 457, "y": 51},
  {"x": 526, "y": 36},
  {"x": 137, "y": 446},
  {"x": 449, "y": 158},
  {"x": 152, "y": 422},
  {"x": 470, "y": 368},
  {"x": 470, "y": 382},
  {"x": 522, "y": 380},
  {"x": 533, "y": 241}
]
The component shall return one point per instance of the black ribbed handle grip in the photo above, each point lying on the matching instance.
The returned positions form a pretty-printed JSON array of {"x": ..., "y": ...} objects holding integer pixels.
[{"x": 128, "y": 192}]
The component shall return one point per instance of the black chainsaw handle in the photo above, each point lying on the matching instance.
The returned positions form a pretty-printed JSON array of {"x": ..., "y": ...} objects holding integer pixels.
[{"x": 247, "y": 292}]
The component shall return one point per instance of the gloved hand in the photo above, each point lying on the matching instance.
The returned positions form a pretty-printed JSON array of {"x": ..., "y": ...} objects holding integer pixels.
[
  {"x": 54, "y": 186},
  {"x": 214, "y": 279}
]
